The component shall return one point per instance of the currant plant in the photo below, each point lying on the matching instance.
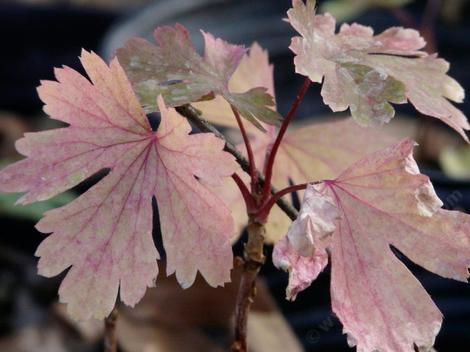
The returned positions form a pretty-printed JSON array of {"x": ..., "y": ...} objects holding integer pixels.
[{"x": 362, "y": 191}]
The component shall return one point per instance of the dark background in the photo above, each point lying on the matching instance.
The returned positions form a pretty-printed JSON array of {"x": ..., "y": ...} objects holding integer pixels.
[{"x": 37, "y": 36}]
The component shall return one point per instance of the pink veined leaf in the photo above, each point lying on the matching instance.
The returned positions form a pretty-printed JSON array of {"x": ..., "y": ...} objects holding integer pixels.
[
  {"x": 366, "y": 72},
  {"x": 174, "y": 69},
  {"x": 105, "y": 236},
  {"x": 313, "y": 151},
  {"x": 384, "y": 201}
]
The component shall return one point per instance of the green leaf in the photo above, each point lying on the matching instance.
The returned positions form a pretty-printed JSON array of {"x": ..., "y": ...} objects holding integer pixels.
[
  {"x": 33, "y": 212},
  {"x": 456, "y": 162},
  {"x": 347, "y": 9}
]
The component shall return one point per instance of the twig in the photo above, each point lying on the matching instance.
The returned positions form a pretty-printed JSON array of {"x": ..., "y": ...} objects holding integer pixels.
[
  {"x": 254, "y": 260},
  {"x": 193, "y": 115},
  {"x": 110, "y": 337}
]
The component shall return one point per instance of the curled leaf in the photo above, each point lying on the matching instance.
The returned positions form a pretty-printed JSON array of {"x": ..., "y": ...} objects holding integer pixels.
[
  {"x": 302, "y": 270},
  {"x": 316, "y": 222},
  {"x": 302, "y": 252}
]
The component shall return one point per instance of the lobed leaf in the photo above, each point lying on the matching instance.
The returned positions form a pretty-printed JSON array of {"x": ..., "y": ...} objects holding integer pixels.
[
  {"x": 174, "y": 69},
  {"x": 366, "y": 72},
  {"x": 105, "y": 235},
  {"x": 384, "y": 201}
]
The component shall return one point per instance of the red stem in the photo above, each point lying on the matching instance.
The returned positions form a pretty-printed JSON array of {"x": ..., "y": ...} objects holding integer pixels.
[
  {"x": 249, "y": 151},
  {"x": 249, "y": 201},
  {"x": 266, "y": 208},
  {"x": 268, "y": 168}
]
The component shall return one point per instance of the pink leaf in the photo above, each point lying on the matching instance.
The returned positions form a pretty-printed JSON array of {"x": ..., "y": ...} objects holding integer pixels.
[
  {"x": 316, "y": 222},
  {"x": 105, "y": 236},
  {"x": 174, "y": 69},
  {"x": 303, "y": 251},
  {"x": 366, "y": 73},
  {"x": 384, "y": 201}
]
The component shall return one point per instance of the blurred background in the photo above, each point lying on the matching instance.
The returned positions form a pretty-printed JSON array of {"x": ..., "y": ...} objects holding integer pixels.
[{"x": 38, "y": 35}]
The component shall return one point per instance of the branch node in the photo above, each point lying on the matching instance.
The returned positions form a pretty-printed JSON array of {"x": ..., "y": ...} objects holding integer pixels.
[{"x": 193, "y": 115}]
